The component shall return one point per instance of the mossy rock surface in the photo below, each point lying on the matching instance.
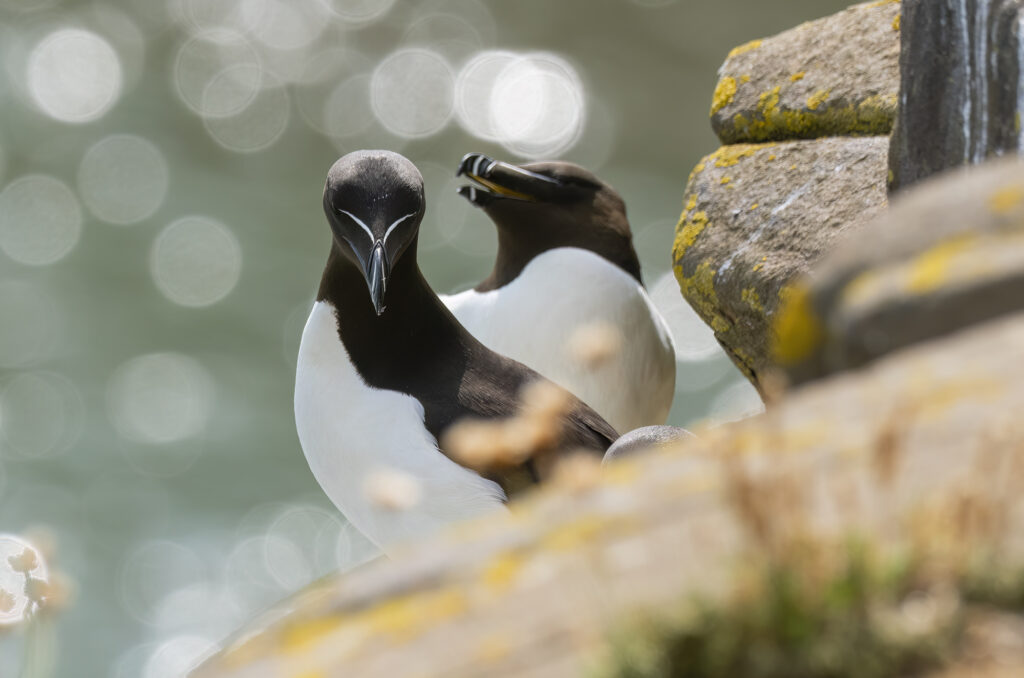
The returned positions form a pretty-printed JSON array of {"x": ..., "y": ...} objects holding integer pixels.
[
  {"x": 537, "y": 592},
  {"x": 831, "y": 77},
  {"x": 758, "y": 216},
  {"x": 947, "y": 255}
]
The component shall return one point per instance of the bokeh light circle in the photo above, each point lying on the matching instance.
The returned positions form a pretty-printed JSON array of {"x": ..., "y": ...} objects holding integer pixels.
[
  {"x": 31, "y": 324},
  {"x": 196, "y": 261},
  {"x": 694, "y": 339},
  {"x": 160, "y": 398},
  {"x": 27, "y": 563},
  {"x": 43, "y": 415},
  {"x": 359, "y": 12},
  {"x": 218, "y": 73},
  {"x": 123, "y": 179},
  {"x": 449, "y": 34},
  {"x": 255, "y": 127},
  {"x": 329, "y": 71},
  {"x": 347, "y": 109},
  {"x": 737, "y": 401},
  {"x": 74, "y": 75},
  {"x": 474, "y": 88},
  {"x": 538, "y": 106},
  {"x": 151, "y": 571},
  {"x": 284, "y": 24},
  {"x": 300, "y": 545},
  {"x": 40, "y": 220},
  {"x": 412, "y": 92}
]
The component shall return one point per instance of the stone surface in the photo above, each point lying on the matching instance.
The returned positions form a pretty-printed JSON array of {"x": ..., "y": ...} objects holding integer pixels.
[
  {"x": 962, "y": 89},
  {"x": 533, "y": 594},
  {"x": 645, "y": 439},
  {"x": 949, "y": 254},
  {"x": 835, "y": 76},
  {"x": 757, "y": 216}
]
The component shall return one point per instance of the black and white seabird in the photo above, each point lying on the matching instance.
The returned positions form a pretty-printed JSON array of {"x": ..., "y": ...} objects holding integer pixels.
[
  {"x": 566, "y": 261},
  {"x": 384, "y": 369}
]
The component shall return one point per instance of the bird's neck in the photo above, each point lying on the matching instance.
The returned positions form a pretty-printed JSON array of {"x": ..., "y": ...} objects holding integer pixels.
[
  {"x": 413, "y": 320},
  {"x": 521, "y": 242}
]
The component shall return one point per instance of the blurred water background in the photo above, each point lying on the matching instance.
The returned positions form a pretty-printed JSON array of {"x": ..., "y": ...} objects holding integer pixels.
[{"x": 161, "y": 238}]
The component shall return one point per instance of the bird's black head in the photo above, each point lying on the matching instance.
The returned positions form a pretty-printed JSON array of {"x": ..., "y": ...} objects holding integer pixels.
[
  {"x": 544, "y": 205},
  {"x": 374, "y": 203}
]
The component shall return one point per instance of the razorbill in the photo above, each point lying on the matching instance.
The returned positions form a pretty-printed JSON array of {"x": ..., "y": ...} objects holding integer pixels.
[
  {"x": 565, "y": 262},
  {"x": 384, "y": 369}
]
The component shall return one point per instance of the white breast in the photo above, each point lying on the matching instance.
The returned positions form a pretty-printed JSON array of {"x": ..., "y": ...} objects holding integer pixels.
[
  {"x": 532, "y": 319},
  {"x": 350, "y": 430}
]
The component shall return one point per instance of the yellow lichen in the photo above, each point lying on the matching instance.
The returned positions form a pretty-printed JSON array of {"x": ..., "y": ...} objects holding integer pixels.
[
  {"x": 750, "y": 296},
  {"x": 815, "y": 101},
  {"x": 755, "y": 206},
  {"x": 725, "y": 180},
  {"x": 744, "y": 48},
  {"x": 501, "y": 573},
  {"x": 687, "y": 231},
  {"x": 572, "y": 535},
  {"x": 872, "y": 116},
  {"x": 691, "y": 204},
  {"x": 1006, "y": 199},
  {"x": 896, "y": 22},
  {"x": 929, "y": 270},
  {"x": 798, "y": 330},
  {"x": 962, "y": 260},
  {"x": 699, "y": 290},
  {"x": 300, "y": 636},
  {"x": 724, "y": 94},
  {"x": 744, "y": 79},
  {"x": 730, "y": 155},
  {"x": 797, "y": 77},
  {"x": 410, "y": 615}
]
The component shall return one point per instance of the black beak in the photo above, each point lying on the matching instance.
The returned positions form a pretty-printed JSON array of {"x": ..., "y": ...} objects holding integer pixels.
[
  {"x": 377, "y": 272},
  {"x": 497, "y": 180}
]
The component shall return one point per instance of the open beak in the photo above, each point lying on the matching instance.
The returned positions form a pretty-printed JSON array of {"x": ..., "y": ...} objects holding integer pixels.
[
  {"x": 495, "y": 180},
  {"x": 376, "y": 272}
]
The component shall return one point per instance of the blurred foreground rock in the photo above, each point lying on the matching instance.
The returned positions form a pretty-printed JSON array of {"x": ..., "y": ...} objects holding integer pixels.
[
  {"x": 948, "y": 254},
  {"x": 834, "y": 76},
  {"x": 759, "y": 215},
  {"x": 962, "y": 88},
  {"x": 536, "y": 593}
]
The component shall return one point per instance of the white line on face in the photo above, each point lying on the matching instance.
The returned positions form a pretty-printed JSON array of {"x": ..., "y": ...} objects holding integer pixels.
[
  {"x": 526, "y": 172},
  {"x": 392, "y": 226},
  {"x": 360, "y": 222},
  {"x": 367, "y": 228}
]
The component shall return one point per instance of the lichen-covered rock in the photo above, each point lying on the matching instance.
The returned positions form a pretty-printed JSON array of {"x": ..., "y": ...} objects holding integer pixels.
[
  {"x": 962, "y": 93},
  {"x": 756, "y": 217},
  {"x": 835, "y": 76},
  {"x": 949, "y": 253},
  {"x": 535, "y": 593}
]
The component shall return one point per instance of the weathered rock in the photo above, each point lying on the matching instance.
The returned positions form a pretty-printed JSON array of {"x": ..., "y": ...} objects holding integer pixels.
[
  {"x": 534, "y": 594},
  {"x": 758, "y": 216},
  {"x": 835, "y": 76},
  {"x": 948, "y": 254},
  {"x": 962, "y": 88},
  {"x": 645, "y": 439}
]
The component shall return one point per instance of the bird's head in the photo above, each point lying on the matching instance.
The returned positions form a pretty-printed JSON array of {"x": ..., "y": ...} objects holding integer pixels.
[
  {"x": 374, "y": 204},
  {"x": 543, "y": 205}
]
